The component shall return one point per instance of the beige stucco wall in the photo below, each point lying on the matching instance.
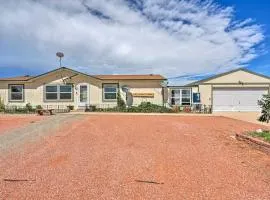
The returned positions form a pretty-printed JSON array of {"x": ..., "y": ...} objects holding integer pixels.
[
  {"x": 34, "y": 90},
  {"x": 206, "y": 94},
  {"x": 144, "y": 86}
]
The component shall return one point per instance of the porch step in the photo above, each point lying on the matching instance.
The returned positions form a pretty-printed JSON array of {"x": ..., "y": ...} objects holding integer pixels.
[{"x": 80, "y": 109}]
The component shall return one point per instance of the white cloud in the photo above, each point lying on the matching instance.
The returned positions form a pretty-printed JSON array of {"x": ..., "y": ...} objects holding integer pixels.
[{"x": 151, "y": 36}]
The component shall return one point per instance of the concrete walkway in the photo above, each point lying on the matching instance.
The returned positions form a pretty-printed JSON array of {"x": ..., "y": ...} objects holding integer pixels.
[{"x": 244, "y": 116}]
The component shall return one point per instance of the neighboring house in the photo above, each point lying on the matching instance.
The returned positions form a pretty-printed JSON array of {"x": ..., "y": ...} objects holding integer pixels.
[
  {"x": 64, "y": 87},
  {"x": 237, "y": 90}
]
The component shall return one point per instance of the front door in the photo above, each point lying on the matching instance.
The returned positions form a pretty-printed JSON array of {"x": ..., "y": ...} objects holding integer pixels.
[{"x": 83, "y": 95}]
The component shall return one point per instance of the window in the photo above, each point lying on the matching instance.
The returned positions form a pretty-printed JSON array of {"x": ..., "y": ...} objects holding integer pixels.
[
  {"x": 16, "y": 92},
  {"x": 65, "y": 92},
  {"x": 51, "y": 93},
  {"x": 110, "y": 91},
  {"x": 58, "y": 92},
  {"x": 175, "y": 98},
  {"x": 181, "y": 97},
  {"x": 186, "y": 97}
]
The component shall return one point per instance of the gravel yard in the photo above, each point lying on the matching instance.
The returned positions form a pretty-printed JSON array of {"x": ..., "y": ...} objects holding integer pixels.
[
  {"x": 9, "y": 122},
  {"x": 31, "y": 130},
  {"x": 133, "y": 157}
]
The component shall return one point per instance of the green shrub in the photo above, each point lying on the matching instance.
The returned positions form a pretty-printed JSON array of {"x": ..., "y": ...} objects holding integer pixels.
[
  {"x": 91, "y": 108},
  {"x": 120, "y": 102},
  {"x": 70, "y": 107},
  {"x": 21, "y": 110},
  {"x": 265, "y": 135},
  {"x": 148, "y": 107},
  {"x": 264, "y": 103},
  {"x": 144, "y": 107},
  {"x": 29, "y": 107},
  {"x": 38, "y": 107},
  {"x": 2, "y": 105}
]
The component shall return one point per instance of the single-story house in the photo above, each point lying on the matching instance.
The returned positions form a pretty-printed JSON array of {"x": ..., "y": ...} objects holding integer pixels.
[
  {"x": 66, "y": 87},
  {"x": 236, "y": 90}
]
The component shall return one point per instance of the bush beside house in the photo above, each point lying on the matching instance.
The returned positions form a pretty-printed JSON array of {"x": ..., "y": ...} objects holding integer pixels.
[
  {"x": 2, "y": 105},
  {"x": 144, "y": 107},
  {"x": 264, "y": 103}
]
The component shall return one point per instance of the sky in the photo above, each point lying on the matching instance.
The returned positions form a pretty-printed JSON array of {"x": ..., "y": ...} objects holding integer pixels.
[{"x": 180, "y": 39}]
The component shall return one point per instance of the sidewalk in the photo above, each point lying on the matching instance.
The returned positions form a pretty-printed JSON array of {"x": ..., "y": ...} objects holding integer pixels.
[{"x": 244, "y": 116}]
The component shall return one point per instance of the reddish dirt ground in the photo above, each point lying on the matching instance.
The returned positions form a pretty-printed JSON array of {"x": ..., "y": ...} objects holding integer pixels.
[
  {"x": 139, "y": 157},
  {"x": 10, "y": 122}
]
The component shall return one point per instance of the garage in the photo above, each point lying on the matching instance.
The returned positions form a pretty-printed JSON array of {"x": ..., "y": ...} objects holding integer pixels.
[
  {"x": 236, "y": 90},
  {"x": 237, "y": 99}
]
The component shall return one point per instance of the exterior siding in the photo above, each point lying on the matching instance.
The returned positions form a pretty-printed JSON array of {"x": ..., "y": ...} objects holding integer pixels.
[
  {"x": 34, "y": 90},
  {"x": 206, "y": 94},
  {"x": 238, "y": 79},
  {"x": 144, "y": 86}
]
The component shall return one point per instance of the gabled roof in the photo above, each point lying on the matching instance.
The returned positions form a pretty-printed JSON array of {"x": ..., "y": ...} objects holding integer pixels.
[
  {"x": 29, "y": 78},
  {"x": 226, "y": 73},
  {"x": 99, "y": 77},
  {"x": 63, "y": 68},
  {"x": 131, "y": 77}
]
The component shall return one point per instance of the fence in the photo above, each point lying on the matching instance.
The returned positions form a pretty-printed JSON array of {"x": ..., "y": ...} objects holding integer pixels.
[
  {"x": 33, "y": 109},
  {"x": 195, "y": 108}
]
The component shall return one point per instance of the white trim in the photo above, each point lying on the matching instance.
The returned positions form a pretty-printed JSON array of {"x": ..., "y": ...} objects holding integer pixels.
[
  {"x": 58, "y": 92},
  {"x": 87, "y": 102},
  {"x": 110, "y": 85},
  {"x": 10, "y": 93},
  {"x": 180, "y": 96}
]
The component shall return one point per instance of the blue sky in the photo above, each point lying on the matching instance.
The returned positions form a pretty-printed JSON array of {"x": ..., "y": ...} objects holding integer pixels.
[
  {"x": 259, "y": 11},
  {"x": 187, "y": 40}
]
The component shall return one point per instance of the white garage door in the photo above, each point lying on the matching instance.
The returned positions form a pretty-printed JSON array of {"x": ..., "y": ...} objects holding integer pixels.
[{"x": 237, "y": 99}]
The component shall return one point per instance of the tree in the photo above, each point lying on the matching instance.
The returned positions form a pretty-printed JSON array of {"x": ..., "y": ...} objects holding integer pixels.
[
  {"x": 2, "y": 105},
  {"x": 120, "y": 102},
  {"x": 264, "y": 103}
]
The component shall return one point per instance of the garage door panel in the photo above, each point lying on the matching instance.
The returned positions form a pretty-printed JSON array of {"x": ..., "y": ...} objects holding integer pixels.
[
  {"x": 237, "y": 99},
  {"x": 223, "y": 100}
]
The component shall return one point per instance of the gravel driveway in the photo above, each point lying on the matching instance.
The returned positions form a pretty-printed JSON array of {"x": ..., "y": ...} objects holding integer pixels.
[
  {"x": 13, "y": 121},
  {"x": 138, "y": 157},
  {"x": 18, "y": 130}
]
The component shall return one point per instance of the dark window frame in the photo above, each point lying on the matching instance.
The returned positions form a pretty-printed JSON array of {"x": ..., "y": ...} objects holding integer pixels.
[
  {"x": 58, "y": 93},
  {"x": 10, "y": 92},
  {"x": 103, "y": 92}
]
